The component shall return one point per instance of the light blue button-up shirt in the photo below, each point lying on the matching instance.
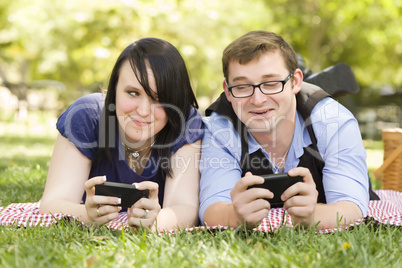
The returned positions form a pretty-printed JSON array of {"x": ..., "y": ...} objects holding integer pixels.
[{"x": 338, "y": 140}]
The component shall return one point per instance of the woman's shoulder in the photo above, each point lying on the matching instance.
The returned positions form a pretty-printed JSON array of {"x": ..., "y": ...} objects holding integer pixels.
[
  {"x": 97, "y": 99},
  {"x": 80, "y": 123},
  {"x": 193, "y": 127},
  {"x": 86, "y": 107},
  {"x": 194, "y": 120},
  {"x": 192, "y": 130}
]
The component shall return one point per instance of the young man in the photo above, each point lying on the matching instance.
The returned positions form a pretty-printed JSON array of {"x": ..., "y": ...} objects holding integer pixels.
[{"x": 267, "y": 113}]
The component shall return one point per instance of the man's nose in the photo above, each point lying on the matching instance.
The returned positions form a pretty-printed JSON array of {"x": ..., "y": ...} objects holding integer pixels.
[{"x": 258, "y": 97}]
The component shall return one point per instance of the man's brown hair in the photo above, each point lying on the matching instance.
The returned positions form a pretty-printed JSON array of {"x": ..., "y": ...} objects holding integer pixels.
[{"x": 253, "y": 45}]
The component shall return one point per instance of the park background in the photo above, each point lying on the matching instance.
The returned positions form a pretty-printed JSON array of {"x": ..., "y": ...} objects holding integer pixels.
[{"x": 52, "y": 52}]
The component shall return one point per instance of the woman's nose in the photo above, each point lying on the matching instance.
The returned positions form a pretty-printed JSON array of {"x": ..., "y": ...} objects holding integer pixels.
[{"x": 144, "y": 107}]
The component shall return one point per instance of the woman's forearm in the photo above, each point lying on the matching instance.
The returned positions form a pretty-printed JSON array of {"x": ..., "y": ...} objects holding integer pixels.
[
  {"x": 66, "y": 208},
  {"x": 179, "y": 216}
]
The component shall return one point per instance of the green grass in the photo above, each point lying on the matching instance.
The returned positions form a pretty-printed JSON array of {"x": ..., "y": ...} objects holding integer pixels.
[
  {"x": 23, "y": 167},
  {"x": 69, "y": 245}
]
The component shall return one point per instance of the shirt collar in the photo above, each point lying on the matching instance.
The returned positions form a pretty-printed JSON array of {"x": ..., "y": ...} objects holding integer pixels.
[{"x": 298, "y": 143}]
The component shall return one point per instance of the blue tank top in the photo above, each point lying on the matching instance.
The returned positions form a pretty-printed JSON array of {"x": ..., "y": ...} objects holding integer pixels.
[{"x": 80, "y": 125}]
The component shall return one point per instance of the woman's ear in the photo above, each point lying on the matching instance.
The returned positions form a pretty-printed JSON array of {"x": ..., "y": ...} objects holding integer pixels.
[{"x": 297, "y": 80}]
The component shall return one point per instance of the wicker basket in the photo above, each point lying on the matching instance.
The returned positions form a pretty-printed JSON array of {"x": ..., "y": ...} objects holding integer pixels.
[{"x": 391, "y": 169}]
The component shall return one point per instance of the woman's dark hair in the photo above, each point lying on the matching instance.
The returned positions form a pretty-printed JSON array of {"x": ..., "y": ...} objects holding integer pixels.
[{"x": 173, "y": 88}]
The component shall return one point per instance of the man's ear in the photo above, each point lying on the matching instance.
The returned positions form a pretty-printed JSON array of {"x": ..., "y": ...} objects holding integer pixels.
[
  {"x": 225, "y": 88},
  {"x": 297, "y": 80}
]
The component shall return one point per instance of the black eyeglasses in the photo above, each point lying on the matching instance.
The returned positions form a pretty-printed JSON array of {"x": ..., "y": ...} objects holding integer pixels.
[{"x": 267, "y": 88}]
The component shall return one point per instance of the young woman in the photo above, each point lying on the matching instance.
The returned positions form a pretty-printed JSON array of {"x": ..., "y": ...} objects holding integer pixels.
[{"x": 145, "y": 132}]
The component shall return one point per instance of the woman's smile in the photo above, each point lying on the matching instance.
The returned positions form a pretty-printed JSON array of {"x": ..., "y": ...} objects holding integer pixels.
[{"x": 140, "y": 123}]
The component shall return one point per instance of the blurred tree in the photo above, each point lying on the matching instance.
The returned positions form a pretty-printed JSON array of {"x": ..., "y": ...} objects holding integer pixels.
[
  {"x": 365, "y": 34},
  {"x": 201, "y": 30},
  {"x": 76, "y": 42}
]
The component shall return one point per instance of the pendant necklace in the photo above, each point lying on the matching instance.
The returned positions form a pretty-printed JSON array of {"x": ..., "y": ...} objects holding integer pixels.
[
  {"x": 276, "y": 168},
  {"x": 133, "y": 155}
]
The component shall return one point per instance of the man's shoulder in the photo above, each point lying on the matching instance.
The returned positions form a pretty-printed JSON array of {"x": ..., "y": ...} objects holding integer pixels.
[
  {"x": 329, "y": 110},
  {"x": 316, "y": 102},
  {"x": 220, "y": 128},
  {"x": 216, "y": 121},
  {"x": 328, "y": 118}
]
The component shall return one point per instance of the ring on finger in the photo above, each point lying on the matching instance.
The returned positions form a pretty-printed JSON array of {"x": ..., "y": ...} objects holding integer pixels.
[
  {"x": 97, "y": 212},
  {"x": 145, "y": 213}
]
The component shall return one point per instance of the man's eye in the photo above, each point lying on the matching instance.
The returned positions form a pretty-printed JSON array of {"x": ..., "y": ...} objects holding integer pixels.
[
  {"x": 242, "y": 87},
  {"x": 271, "y": 85}
]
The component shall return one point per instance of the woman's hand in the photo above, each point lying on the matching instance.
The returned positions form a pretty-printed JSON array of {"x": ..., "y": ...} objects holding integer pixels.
[
  {"x": 100, "y": 209},
  {"x": 144, "y": 211}
]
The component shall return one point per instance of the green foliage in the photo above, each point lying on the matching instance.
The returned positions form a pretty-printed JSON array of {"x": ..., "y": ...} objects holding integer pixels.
[
  {"x": 77, "y": 42},
  {"x": 364, "y": 34}
]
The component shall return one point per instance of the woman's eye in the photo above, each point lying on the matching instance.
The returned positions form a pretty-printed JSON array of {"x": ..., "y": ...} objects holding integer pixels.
[{"x": 133, "y": 93}]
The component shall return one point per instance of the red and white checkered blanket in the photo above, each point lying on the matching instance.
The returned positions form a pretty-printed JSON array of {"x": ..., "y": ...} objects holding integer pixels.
[{"x": 386, "y": 211}]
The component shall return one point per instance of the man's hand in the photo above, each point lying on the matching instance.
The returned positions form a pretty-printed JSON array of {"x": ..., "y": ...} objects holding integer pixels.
[
  {"x": 250, "y": 204},
  {"x": 301, "y": 198}
]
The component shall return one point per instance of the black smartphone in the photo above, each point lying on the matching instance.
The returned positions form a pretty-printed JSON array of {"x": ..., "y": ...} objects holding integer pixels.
[
  {"x": 277, "y": 184},
  {"x": 127, "y": 192}
]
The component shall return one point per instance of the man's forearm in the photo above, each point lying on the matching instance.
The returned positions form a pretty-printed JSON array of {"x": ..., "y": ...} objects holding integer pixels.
[
  {"x": 327, "y": 216},
  {"x": 221, "y": 213},
  {"x": 339, "y": 214}
]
